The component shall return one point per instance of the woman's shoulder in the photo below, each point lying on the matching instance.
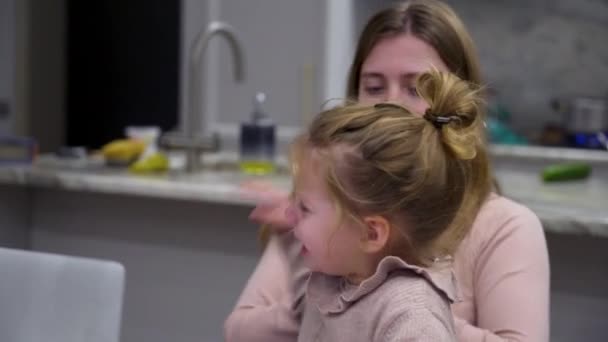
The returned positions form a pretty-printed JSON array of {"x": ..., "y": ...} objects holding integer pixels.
[
  {"x": 500, "y": 213},
  {"x": 504, "y": 231},
  {"x": 501, "y": 221}
]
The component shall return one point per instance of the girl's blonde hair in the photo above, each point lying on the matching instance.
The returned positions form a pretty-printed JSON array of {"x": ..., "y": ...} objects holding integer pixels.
[
  {"x": 428, "y": 175},
  {"x": 431, "y": 21}
]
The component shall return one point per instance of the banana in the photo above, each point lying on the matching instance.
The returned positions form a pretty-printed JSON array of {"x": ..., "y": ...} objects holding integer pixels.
[{"x": 124, "y": 150}]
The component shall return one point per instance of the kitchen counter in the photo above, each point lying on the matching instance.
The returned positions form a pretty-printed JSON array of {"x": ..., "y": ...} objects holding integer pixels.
[
  {"x": 189, "y": 247},
  {"x": 215, "y": 187},
  {"x": 579, "y": 207},
  {"x": 548, "y": 153}
]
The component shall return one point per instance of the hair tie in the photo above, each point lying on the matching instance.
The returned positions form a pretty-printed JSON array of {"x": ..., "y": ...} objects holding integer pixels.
[{"x": 439, "y": 120}]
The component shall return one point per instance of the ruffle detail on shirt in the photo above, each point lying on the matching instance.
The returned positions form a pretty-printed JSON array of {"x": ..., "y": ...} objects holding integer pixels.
[{"x": 332, "y": 294}]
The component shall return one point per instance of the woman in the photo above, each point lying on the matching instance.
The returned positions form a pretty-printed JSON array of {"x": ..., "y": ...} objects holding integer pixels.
[{"x": 502, "y": 265}]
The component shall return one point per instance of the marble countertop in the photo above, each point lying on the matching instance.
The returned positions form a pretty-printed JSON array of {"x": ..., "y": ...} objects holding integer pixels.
[
  {"x": 579, "y": 207},
  {"x": 222, "y": 187},
  {"x": 549, "y": 153}
]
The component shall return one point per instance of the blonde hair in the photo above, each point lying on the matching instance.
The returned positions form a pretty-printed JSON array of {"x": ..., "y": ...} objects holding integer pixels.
[
  {"x": 431, "y": 21},
  {"x": 428, "y": 174}
]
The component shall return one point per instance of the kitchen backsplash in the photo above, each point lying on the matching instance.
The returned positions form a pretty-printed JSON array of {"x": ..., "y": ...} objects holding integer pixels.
[{"x": 534, "y": 50}]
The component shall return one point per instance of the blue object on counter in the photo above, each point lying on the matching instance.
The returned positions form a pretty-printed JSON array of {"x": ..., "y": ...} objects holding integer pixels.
[
  {"x": 586, "y": 140},
  {"x": 17, "y": 150}
]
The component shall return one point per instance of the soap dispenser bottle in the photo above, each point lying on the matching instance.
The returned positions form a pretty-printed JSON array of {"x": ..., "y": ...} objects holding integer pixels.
[{"x": 257, "y": 141}]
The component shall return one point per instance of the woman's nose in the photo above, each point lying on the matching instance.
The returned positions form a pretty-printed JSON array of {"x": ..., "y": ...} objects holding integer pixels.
[{"x": 394, "y": 94}]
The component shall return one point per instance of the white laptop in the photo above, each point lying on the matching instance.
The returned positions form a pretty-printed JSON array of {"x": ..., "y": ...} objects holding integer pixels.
[{"x": 57, "y": 298}]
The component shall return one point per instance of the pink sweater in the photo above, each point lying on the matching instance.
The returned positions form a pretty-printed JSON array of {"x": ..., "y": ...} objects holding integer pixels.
[
  {"x": 502, "y": 269},
  {"x": 399, "y": 302}
]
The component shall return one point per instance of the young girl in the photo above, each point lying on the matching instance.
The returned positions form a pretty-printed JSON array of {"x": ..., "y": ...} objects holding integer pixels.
[{"x": 377, "y": 214}]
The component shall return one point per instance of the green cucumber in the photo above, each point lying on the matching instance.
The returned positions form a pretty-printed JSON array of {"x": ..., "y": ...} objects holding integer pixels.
[{"x": 564, "y": 172}]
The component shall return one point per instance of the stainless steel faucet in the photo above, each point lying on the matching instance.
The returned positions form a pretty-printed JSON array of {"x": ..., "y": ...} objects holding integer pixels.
[{"x": 196, "y": 139}]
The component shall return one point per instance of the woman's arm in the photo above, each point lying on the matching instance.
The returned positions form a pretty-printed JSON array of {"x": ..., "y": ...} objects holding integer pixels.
[
  {"x": 269, "y": 307},
  {"x": 510, "y": 282}
]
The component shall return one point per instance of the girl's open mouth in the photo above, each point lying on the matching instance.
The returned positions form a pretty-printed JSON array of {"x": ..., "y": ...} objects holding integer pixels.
[{"x": 304, "y": 250}]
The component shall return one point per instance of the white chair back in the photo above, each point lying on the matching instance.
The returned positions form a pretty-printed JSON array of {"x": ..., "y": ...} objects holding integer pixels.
[{"x": 56, "y": 298}]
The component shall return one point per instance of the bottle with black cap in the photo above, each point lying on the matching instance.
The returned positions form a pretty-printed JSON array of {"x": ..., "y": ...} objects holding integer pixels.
[{"x": 257, "y": 141}]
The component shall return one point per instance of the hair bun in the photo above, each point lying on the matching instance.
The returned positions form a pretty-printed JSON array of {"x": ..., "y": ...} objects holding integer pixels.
[{"x": 455, "y": 110}]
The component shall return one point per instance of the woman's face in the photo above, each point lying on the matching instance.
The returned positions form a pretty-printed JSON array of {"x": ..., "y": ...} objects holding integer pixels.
[{"x": 389, "y": 72}]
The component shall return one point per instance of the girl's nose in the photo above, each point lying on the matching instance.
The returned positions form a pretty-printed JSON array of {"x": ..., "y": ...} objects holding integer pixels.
[{"x": 290, "y": 214}]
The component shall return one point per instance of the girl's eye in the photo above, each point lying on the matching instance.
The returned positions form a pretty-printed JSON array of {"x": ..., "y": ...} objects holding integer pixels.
[{"x": 303, "y": 208}]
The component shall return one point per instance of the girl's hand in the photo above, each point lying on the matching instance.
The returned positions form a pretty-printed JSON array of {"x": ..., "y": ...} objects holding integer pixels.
[{"x": 271, "y": 204}]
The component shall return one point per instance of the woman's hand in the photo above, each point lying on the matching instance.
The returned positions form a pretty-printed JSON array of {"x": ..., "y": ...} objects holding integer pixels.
[{"x": 271, "y": 204}]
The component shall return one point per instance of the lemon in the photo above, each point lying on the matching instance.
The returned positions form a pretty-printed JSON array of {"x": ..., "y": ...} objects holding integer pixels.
[{"x": 156, "y": 162}]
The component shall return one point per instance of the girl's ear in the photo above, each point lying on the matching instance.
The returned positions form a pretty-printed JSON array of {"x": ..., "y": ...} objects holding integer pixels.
[{"x": 376, "y": 234}]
